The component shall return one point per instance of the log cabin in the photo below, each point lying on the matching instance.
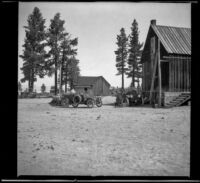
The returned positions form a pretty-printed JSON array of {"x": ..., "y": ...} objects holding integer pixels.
[{"x": 166, "y": 62}]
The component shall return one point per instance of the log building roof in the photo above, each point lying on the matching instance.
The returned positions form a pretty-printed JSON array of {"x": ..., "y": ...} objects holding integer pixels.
[{"x": 176, "y": 40}]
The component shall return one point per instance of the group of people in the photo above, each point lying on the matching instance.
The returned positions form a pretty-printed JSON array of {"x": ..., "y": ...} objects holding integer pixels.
[{"x": 85, "y": 93}]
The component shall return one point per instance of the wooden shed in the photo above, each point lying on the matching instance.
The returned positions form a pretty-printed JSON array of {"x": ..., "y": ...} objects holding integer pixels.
[
  {"x": 166, "y": 60},
  {"x": 96, "y": 86}
]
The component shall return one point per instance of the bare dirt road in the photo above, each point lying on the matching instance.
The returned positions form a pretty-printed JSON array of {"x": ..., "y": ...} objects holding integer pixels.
[{"x": 102, "y": 141}]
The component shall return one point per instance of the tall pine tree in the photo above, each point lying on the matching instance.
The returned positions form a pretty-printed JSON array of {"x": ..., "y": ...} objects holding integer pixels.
[
  {"x": 34, "y": 53},
  {"x": 121, "y": 54},
  {"x": 70, "y": 68},
  {"x": 134, "y": 67},
  {"x": 55, "y": 36},
  {"x": 73, "y": 71}
]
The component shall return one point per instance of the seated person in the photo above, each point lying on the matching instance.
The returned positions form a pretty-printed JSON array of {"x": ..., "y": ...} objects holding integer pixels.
[{"x": 85, "y": 93}]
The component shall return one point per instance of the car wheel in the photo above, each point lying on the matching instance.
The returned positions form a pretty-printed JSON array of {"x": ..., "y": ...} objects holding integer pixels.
[
  {"x": 76, "y": 100},
  {"x": 98, "y": 102},
  {"x": 90, "y": 103},
  {"x": 65, "y": 102}
]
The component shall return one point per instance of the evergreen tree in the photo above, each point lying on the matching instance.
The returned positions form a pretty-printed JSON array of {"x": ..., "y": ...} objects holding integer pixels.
[
  {"x": 134, "y": 67},
  {"x": 74, "y": 71},
  {"x": 55, "y": 36},
  {"x": 121, "y": 54},
  {"x": 34, "y": 54},
  {"x": 70, "y": 68}
]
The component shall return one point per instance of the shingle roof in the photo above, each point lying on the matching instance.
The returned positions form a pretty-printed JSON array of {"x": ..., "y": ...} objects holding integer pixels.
[{"x": 176, "y": 40}]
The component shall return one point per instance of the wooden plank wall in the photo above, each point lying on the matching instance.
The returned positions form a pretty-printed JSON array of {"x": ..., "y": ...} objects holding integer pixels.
[
  {"x": 178, "y": 71},
  {"x": 179, "y": 74},
  {"x": 106, "y": 89},
  {"x": 171, "y": 75},
  {"x": 98, "y": 89},
  {"x": 173, "y": 83},
  {"x": 189, "y": 63},
  {"x": 101, "y": 88},
  {"x": 184, "y": 77},
  {"x": 143, "y": 78},
  {"x": 147, "y": 76},
  {"x": 187, "y": 73}
]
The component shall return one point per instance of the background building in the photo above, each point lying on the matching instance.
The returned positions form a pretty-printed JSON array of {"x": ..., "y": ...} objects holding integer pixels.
[{"x": 95, "y": 85}]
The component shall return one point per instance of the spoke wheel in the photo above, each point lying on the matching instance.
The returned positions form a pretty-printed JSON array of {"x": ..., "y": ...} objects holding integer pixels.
[
  {"x": 65, "y": 102},
  {"x": 90, "y": 103},
  {"x": 76, "y": 101},
  {"x": 98, "y": 102}
]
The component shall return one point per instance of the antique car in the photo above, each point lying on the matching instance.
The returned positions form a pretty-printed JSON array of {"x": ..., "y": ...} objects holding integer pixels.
[
  {"x": 129, "y": 98},
  {"x": 75, "y": 99},
  {"x": 134, "y": 97},
  {"x": 121, "y": 99}
]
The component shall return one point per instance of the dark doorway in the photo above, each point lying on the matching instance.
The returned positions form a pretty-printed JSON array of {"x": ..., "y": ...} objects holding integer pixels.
[{"x": 165, "y": 75}]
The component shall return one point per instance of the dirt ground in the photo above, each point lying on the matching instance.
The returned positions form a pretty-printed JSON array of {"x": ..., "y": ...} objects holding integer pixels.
[{"x": 102, "y": 141}]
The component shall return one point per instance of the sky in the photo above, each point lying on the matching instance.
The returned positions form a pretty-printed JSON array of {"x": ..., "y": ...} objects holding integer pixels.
[{"x": 97, "y": 24}]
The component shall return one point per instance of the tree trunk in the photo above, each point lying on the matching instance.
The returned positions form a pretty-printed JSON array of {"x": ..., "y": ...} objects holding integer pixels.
[
  {"x": 65, "y": 86},
  {"x": 133, "y": 77},
  {"x": 133, "y": 81},
  {"x": 122, "y": 77},
  {"x": 122, "y": 71},
  {"x": 66, "y": 69},
  {"x": 29, "y": 82},
  {"x": 32, "y": 86},
  {"x": 138, "y": 83},
  {"x": 29, "y": 85},
  {"x": 65, "y": 83},
  {"x": 60, "y": 87},
  {"x": 32, "y": 83},
  {"x": 55, "y": 92},
  {"x": 70, "y": 84},
  {"x": 61, "y": 75}
]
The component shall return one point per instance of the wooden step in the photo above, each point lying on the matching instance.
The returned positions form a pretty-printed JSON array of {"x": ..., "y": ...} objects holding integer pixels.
[
  {"x": 182, "y": 102},
  {"x": 185, "y": 94},
  {"x": 170, "y": 103},
  {"x": 179, "y": 99},
  {"x": 176, "y": 103},
  {"x": 182, "y": 98},
  {"x": 173, "y": 102}
]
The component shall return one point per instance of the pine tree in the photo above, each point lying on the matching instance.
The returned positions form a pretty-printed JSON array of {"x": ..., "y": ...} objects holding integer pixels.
[
  {"x": 74, "y": 71},
  {"x": 55, "y": 36},
  {"x": 121, "y": 54},
  {"x": 34, "y": 54},
  {"x": 134, "y": 67},
  {"x": 70, "y": 68}
]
